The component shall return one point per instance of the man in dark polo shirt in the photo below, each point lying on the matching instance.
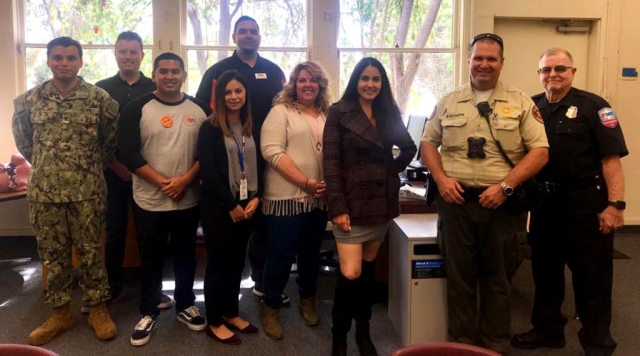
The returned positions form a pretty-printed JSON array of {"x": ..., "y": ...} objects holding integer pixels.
[
  {"x": 129, "y": 83},
  {"x": 265, "y": 80}
]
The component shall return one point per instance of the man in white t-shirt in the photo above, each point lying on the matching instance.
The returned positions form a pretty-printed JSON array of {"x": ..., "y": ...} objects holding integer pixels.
[{"x": 157, "y": 139}]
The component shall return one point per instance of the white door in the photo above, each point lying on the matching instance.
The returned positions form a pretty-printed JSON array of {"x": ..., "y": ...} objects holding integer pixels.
[{"x": 524, "y": 40}]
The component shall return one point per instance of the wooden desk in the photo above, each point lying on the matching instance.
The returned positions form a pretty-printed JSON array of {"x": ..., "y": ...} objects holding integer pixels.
[
  {"x": 12, "y": 196},
  {"x": 5, "y": 197}
]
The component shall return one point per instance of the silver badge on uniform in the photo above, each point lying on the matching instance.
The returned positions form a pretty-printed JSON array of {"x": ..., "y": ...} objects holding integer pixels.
[{"x": 572, "y": 112}]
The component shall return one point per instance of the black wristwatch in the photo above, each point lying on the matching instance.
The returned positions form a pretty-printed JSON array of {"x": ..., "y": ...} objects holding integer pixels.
[
  {"x": 619, "y": 204},
  {"x": 506, "y": 189}
]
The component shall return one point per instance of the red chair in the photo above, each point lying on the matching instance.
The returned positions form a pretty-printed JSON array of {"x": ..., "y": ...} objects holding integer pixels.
[
  {"x": 24, "y": 350},
  {"x": 444, "y": 349}
]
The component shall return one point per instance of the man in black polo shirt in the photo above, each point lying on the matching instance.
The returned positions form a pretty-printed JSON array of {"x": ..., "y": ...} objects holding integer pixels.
[
  {"x": 582, "y": 204},
  {"x": 265, "y": 80},
  {"x": 129, "y": 83}
]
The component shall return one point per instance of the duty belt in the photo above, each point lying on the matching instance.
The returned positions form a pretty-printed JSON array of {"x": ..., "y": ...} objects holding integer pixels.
[
  {"x": 565, "y": 187},
  {"x": 472, "y": 194}
]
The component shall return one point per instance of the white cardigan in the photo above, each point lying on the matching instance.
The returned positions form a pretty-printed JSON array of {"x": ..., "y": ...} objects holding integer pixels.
[{"x": 286, "y": 131}]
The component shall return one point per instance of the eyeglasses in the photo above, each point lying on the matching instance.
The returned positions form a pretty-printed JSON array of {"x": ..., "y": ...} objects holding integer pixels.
[
  {"x": 492, "y": 36},
  {"x": 558, "y": 69}
]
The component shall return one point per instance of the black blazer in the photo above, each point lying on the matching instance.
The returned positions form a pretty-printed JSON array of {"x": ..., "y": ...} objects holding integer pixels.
[
  {"x": 359, "y": 167},
  {"x": 214, "y": 167}
]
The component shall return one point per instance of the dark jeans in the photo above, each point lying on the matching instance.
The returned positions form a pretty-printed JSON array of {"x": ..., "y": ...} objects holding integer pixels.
[
  {"x": 565, "y": 230},
  {"x": 258, "y": 248},
  {"x": 119, "y": 194},
  {"x": 154, "y": 229},
  {"x": 478, "y": 244},
  {"x": 290, "y": 237},
  {"x": 226, "y": 243}
]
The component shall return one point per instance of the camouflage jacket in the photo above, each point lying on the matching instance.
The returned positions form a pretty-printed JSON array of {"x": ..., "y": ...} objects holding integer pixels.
[{"x": 67, "y": 140}]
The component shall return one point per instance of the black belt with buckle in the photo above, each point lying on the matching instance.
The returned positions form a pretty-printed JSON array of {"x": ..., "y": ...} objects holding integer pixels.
[{"x": 557, "y": 188}]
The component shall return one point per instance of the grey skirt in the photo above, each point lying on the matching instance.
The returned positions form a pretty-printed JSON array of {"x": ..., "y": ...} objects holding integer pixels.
[{"x": 362, "y": 234}]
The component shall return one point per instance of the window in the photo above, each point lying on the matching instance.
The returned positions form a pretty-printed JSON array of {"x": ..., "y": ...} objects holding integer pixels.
[
  {"x": 283, "y": 27},
  {"x": 423, "y": 66},
  {"x": 412, "y": 39},
  {"x": 95, "y": 24}
]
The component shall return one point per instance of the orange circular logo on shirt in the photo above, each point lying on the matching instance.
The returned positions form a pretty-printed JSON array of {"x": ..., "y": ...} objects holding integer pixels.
[
  {"x": 189, "y": 119},
  {"x": 166, "y": 121}
]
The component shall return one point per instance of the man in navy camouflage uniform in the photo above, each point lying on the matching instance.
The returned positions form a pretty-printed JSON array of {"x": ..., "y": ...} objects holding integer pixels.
[{"x": 66, "y": 128}]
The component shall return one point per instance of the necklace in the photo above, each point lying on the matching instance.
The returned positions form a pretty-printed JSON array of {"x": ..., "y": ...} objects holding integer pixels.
[{"x": 316, "y": 130}]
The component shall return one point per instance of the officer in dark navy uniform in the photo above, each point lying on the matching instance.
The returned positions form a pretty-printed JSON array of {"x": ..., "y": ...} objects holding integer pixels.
[{"x": 582, "y": 204}]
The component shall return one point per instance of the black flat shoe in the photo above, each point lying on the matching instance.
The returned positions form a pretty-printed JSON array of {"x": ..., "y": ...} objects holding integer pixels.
[
  {"x": 233, "y": 340},
  {"x": 249, "y": 329}
]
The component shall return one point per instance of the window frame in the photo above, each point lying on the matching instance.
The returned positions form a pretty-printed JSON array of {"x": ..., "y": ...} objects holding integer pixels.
[{"x": 319, "y": 16}]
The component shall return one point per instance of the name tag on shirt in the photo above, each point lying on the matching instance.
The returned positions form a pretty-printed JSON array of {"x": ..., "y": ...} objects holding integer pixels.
[{"x": 261, "y": 75}]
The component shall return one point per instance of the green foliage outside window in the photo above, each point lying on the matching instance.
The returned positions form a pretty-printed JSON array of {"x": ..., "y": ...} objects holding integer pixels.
[{"x": 91, "y": 22}]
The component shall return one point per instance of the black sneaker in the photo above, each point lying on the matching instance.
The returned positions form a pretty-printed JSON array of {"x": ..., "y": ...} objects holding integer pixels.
[
  {"x": 191, "y": 317},
  {"x": 165, "y": 301},
  {"x": 143, "y": 330},
  {"x": 285, "y": 297}
]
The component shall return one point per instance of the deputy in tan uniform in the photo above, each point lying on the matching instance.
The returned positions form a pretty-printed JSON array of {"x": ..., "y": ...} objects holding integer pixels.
[
  {"x": 482, "y": 228},
  {"x": 67, "y": 128}
]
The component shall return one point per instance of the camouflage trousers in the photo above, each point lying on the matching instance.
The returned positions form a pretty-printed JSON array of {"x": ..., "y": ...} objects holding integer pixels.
[{"x": 58, "y": 227}]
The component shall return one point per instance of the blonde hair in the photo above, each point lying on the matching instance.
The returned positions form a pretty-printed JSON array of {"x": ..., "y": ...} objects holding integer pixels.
[{"x": 288, "y": 95}]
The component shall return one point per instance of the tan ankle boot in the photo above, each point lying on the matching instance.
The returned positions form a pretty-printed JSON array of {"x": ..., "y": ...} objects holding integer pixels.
[
  {"x": 271, "y": 323},
  {"x": 308, "y": 311},
  {"x": 60, "y": 320},
  {"x": 101, "y": 322}
]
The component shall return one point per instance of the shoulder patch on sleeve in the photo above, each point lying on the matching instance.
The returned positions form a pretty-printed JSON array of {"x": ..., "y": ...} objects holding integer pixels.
[
  {"x": 608, "y": 117},
  {"x": 433, "y": 113},
  {"x": 111, "y": 108},
  {"x": 20, "y": 103},
  {"x": 536, "y": 114}
]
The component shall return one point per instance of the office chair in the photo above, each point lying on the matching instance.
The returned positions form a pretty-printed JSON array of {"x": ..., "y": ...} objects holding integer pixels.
[
  {"x": 443, "y": 349},
  {"x": 24, "y": 350}
]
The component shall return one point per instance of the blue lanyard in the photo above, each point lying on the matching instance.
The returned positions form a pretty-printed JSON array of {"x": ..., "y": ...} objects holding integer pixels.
[{"x": 240, "y": 153}]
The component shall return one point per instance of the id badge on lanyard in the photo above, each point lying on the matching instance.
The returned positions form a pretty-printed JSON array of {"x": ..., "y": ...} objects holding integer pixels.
[{"x": 244, "y": 191}]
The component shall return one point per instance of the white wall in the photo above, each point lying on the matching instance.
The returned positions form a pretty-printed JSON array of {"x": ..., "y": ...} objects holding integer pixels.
[{"x": 8, "y": 85}]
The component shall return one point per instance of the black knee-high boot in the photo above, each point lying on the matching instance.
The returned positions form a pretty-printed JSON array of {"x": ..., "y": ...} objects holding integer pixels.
[
  {"x": 342, "y": 314},
  {"x": 362, "y": 314}
]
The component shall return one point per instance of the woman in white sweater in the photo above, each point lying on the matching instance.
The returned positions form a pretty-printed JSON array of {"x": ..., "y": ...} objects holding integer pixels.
[{"x": 291, "y": 143}]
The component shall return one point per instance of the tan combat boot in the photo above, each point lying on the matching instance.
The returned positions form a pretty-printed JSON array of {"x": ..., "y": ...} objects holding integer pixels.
[
  {"x": 271, "y": 322},
  {"x": 60, "y": 320},
  {"x": 308, "y": 311},
  {"x": 101, "y": 322}
]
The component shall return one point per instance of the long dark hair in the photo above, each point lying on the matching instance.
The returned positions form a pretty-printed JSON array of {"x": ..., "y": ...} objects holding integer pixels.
[
  {"x": 219, "y": 117},
  {"x": 384, "y": 106}
]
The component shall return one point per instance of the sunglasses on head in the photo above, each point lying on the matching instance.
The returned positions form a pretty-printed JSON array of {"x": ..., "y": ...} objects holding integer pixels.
[
  {"x": 557, "y": 69},
  {"x": 492, "y": 36}
]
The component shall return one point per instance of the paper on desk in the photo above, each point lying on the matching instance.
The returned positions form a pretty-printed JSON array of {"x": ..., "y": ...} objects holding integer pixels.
[{"x": 407, "y": 191}]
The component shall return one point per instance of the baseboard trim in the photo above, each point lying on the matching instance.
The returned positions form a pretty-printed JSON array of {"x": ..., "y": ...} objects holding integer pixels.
[
  {"x": 16, "y": 232},
  {"x": 629, "y": 229}
]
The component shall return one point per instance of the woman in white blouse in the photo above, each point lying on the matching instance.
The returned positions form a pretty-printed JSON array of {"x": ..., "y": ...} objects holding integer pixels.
[{"x": 291, "y": 143}]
